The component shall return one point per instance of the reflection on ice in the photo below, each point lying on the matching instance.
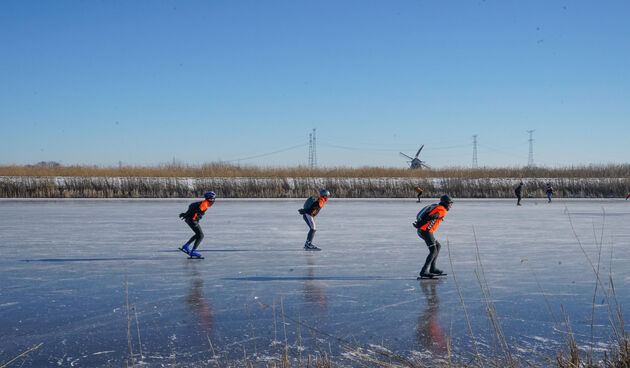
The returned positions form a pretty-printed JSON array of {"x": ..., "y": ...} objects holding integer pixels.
[
  {"x": 430, "y": 333},
  {"x": 200, "y": 307}
]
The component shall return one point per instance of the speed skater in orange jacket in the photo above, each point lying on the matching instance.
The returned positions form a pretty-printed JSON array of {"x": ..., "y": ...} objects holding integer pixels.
[
  {"x": 426, "y": 230},
  {"x": 311, "y": 208},
  {"x": 192, "y": 216}
]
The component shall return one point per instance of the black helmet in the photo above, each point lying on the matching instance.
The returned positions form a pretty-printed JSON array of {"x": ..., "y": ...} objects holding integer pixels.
[
  {"x": 324, "y": 193},
  {"x": 445, "y": 200}
]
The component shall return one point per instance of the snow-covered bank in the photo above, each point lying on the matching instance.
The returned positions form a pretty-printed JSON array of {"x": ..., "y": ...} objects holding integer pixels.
[{"x": 149, "y": 187}]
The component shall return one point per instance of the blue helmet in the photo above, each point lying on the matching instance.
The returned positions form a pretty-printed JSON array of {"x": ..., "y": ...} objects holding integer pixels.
[
  {"x": 209, "y": 195},
  {"x": 324, "y": 193}
]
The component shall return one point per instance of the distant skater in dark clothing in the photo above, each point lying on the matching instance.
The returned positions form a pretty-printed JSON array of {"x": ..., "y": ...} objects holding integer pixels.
[
  {"x": 518, "y": 192},
  {"x": 549, "y": 193},
  {"x": 427, "y": 221},
  {"x": 628, "y": 196},
  {"x": 192, "y": 216},
  {"x": 311, "y": 208}
]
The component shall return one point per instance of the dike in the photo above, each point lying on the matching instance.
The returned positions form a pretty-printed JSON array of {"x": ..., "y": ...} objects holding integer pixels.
[{"x": 150, "y": 187}]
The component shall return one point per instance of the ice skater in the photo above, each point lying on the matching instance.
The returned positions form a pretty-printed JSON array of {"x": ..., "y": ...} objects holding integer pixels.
[
  {"x": 419, "y": 191},
  {"x": 427, "y": 221},
  {"x": 311, "y": 208},
  {"x": 549, "y": 193},
  {"x": 628, "y": 196},
  {"x": 518, "y": 191},
  {"x": 195, "y": 212}
]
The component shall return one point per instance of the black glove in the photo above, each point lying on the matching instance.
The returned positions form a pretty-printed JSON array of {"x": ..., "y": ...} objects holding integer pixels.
[
  {"x": 182, "y": 215},
  {"x": 416, "y": 224}
]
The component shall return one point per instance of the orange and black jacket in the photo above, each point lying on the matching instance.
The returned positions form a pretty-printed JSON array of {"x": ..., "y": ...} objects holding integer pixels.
[
  {"x": 196, "y": 210},
  {"x": 435, "y": 217},
  {"x": 313, "y": 205}
]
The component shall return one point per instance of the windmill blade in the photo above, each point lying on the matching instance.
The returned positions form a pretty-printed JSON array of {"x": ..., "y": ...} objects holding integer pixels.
[
  {"x": 409, "y": 157},
  {"x": 421, "y": 147},
  {"x": 425, "y": 165}
]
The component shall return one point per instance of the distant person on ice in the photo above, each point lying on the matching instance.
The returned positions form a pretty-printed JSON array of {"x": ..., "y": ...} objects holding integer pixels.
[
  {"x": 419, "y": 190},
  {"x": 427, "y": 221},
  {"x": 311, "y": 208},
  {"x": 549, "y": 193},
  {"x": 195, "y": 212},
  {"x": 628, "y": 196},
  {"x": 518, "y": 191}
]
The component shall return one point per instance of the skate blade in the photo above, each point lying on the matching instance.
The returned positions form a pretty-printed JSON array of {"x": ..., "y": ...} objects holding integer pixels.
[{"x": 435, "y": 277}]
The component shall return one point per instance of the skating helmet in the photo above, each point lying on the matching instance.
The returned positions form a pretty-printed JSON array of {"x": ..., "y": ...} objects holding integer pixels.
[
  {"x": 210, "y": 196},
  {"x": 445, "y": 200},
  {"x": 324, "y": 193}
]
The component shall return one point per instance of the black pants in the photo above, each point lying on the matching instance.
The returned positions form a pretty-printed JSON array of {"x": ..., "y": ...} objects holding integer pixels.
[
  {"x": 198, "y": 237},
  {"x": 310, "y": 221},
  {"x": 434, "y": 250}
]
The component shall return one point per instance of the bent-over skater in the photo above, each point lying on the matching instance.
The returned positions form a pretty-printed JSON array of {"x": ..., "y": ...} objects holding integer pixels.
[
  {"x": 195, "y": 212},
  {"x": 419, "y": 191},
  {"x": 311, "y": 208},
  {"x": 427, "y": 221}
]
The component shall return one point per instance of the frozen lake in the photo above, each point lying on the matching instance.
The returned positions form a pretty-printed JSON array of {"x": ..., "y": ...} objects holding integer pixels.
[{"x": 100, "y": 282}]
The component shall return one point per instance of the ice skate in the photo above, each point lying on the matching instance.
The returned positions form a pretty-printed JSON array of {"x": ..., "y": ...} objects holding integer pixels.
[
  {"x": 310, "y": 246},
  {"x": 185, "y": 248},
  {"x": 195, "y": 255}
]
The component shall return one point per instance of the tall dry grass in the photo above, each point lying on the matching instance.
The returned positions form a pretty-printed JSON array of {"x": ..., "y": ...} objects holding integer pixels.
[{"x": 222, "y": 170}]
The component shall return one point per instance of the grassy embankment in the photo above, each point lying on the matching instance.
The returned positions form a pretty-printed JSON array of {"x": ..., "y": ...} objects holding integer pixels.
[{"x": 180, "y": 181}]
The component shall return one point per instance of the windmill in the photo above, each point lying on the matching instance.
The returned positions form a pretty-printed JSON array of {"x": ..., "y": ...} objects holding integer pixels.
[{"x": 415, "y": 162}]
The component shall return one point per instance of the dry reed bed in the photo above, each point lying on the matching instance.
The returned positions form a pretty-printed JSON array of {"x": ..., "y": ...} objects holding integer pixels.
[{"x": 299, "y": 187}]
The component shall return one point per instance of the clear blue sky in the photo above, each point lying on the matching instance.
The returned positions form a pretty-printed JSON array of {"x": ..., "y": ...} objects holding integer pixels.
[{"x": 149, "y": 82}]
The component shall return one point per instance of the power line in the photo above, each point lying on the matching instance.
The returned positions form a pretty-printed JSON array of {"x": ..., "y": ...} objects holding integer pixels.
[
  {"x": 312, "y": 144},
  {"x": 268, "y": 154},
  {"x": 357, "y": 148},
  {"x": 498, "y": 150},
  {"x": 370, "y": 148}
]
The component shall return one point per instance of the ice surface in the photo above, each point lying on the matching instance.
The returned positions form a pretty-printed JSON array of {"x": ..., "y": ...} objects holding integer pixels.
[{"x": 90, "y": 278}]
